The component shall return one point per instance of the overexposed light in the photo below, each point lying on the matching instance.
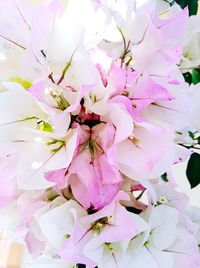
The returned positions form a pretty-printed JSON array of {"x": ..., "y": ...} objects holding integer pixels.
[
  {"x": 38, "y": 139},
  {"x": 141, "y": 2},
  {"x": 2, "y": 57},
  {"x": 36, "y": 165}
]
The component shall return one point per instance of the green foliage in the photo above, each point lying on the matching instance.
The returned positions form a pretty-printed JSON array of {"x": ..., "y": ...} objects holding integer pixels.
[
  {"x": 164, "y": 177},
  {"x": 191, "y": 4},
  {"x": 191, "y": 134},
  {"x": 193, "y": 170},
  {"x": 188, "y": 77},
  {"x": 195, "y": 76}
]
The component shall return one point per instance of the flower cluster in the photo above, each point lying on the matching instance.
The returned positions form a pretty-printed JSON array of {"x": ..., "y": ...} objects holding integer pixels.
[{"x": 94, "y": 111}]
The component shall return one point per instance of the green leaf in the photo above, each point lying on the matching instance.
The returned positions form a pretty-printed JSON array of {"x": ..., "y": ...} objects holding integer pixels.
[
  {"x": 191, "y": 135},
  {"x": 195, "y": 76},
  {"x": 164, "y": 177},
  {"x": 193, "y": 7},
  {"x": 191, "y": 4},
  {"x": 188, "y": 78},
  {"x": 81, "y": 265},
  {"x": 193, "y": 170}
]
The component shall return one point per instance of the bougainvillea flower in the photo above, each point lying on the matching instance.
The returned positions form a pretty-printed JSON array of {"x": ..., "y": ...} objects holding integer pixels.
[{"x": 94, "y": 113}]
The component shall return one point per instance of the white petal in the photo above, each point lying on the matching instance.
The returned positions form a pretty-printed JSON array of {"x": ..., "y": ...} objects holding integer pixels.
[
  {"x": 56, "y": 223},
  {"x": 164, "y": 222}
]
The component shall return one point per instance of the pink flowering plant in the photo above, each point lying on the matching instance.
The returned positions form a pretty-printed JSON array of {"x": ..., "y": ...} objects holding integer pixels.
[{"x": 98, "y": 100}]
